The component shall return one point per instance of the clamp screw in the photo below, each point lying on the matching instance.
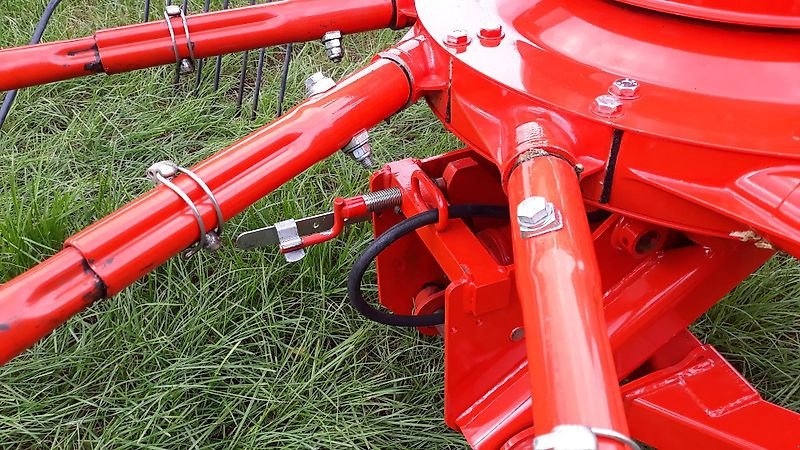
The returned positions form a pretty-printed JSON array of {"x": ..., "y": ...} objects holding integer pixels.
[
  {"x": 318, "y": 83},
  {"x": 491, "y": 30},
  {"x": 607, "y": 105},
  {"x": 624, "y": 88},
  {"x": 332, "y": 40},
  {"x": 167, "y": 169},
  {"x": 457, "y": 38},
  {"x": 186, "y": 66},
  {"x": 173, "y": 10},
  {"x": 536, "y": 216}
]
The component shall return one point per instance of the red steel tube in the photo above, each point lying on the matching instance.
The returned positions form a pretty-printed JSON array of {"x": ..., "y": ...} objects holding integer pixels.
[
  {"x": 149, "y": 44},
  {"x": 136, "y": 239},
  {"x": 569, "y": 356}
]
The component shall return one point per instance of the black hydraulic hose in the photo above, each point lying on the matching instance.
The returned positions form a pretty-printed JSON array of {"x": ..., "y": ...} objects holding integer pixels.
[
  {"x": 8, "y": 101},
  {"x": 392, "y": 235}
]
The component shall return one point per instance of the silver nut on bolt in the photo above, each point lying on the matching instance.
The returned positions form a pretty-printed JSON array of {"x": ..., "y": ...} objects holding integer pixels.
[
  {"x": 332, "y": 40},
  {"x": 186, "y": 66},
  {"x": 213, "y": 242},
  {"x": 318, "y": 83},
  {"x": 536, "y": 216},
  {"x": 359, "y": 149},
  {"x": 624, "y": 88},
  {"x": 457, "y": 38},
  {"x": 607, "y": 106},
  {"x": 567, "y": 437}
]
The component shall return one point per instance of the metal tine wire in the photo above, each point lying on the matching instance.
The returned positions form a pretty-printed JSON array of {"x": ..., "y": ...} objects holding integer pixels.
[
  {"x": 146, "y": 10},
  {"x": 287, "y": 59},
  {"x": 242, "y": 77},
  {"x": 218, "y": 65},
  {"x": 201, "y": 63}
]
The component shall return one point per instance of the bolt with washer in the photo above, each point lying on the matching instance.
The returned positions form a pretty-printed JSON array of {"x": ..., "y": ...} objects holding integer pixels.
[
  {"x": 318, "y": 83},
  {"x": 625, "y": 88},
  {"x": 491, "y": 30},
  {"x": 607, "y": 105},
  {"x": 457, "y": 38}
]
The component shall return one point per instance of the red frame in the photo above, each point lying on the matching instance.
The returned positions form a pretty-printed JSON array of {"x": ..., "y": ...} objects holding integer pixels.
[{"x": 600, "y": 300}]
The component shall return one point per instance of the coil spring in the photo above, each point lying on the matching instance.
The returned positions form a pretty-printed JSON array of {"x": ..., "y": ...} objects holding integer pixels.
[{"x": 383, "y": 199}]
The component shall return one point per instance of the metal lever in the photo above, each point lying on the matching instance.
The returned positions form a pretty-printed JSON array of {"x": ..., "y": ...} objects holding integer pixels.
[{"x": 294, "y": 235}]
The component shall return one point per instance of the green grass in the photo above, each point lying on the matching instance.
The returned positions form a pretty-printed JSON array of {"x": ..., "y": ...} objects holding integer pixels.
[{"x": 240, "y": 350}]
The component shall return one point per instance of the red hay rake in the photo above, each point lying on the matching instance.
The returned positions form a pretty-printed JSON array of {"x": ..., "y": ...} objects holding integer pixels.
[{"x": 627, "y": 164}]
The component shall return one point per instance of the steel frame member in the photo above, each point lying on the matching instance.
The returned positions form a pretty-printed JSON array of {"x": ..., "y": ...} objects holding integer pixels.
[{"x": 634, "y": 204}]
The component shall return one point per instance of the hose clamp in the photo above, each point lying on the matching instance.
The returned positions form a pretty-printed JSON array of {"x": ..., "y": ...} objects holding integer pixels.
[
  {"x": 580, "y": 437},
  {"x": 183, "y": 66},
  {"x": 162, "y": 173}
]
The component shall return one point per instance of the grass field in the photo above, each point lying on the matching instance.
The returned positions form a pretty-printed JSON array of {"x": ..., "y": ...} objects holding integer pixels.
[{"x": 240, "y": 350}]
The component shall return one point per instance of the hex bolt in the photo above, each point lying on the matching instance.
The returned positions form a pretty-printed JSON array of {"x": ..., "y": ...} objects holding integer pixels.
[
  {"x": 318, "y": 83},
  {"x": 186, "y": 66},
  {"x": 167, "y": 169},
  {"x": 491, "y": 30},
  {"x": 625, "y": 88},
  {"x": 359, "y": 149},
  {"x": 173, "y": 10},
  {"x": 607, "y": 105},
  {"x": 536, "y": 215},
  {"x": 332, "y": 40},
  {"x": 457, "y": 38}
]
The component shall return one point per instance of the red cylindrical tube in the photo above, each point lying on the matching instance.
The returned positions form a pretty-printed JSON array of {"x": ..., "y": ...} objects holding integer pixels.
[
  {"x": 558, "y": 281},
  {"x": 134, "y": 240},
  {"x": 149, "y": 44}
]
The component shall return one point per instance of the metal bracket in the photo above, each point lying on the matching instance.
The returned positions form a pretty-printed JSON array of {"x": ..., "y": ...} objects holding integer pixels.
[
  {"x": 268, "y": 236},
  {"x": 289, "y": 238}
]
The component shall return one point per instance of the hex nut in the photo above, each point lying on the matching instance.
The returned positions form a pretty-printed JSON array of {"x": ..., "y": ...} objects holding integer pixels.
[
  {"x": 457, "y": 38},
  {"x": 625, "y": 88},
  {"x": 607, "y": 106}
]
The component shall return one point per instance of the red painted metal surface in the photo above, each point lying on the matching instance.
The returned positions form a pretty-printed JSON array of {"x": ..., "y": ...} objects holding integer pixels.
[
  {"x": 558, "y": 284},
  {"x": 136, "y": 239},
  {"x": 773, "y": 13},
  {"x": 149, "y": 44}
]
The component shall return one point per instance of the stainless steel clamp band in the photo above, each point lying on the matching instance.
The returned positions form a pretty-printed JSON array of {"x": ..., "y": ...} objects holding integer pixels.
[
  {"x": 162, "y": 173},
  {"x": 182, "y": 65}
]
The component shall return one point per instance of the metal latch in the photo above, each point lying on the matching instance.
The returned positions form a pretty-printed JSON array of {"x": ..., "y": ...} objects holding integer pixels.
[{"x": 293, "y": 236}]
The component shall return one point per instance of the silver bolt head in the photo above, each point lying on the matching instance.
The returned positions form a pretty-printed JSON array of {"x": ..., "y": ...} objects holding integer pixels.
[
  {"x": 624, "y": 88},
  {"x": 457, "y": 38},
  {"x": 173, "y": 10},
  {"x": 335, "y": 52},
  {"x": 533, "y": 211},
  {"x": 213, "y": 242},
  {"x": 318, "y": 83},
  {"x": 567, "y": 437},
  {"x": 607, "y": 105},
  {"x": 186, "y": 67},
  {"x": 166, "y": 169}
]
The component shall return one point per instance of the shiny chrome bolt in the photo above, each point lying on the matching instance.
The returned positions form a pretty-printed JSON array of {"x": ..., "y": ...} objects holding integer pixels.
[
  {"x": 332, "y": 40},
  {"x": 318, "y": 83},
  {"x": 457, "y": 38},
  {"x": 536, "y": 216},
  {"x": 607, "y": 106},
  {"x": 359, "y": 149},
  {"x": 624, "y": 88},
  {"x": 173, "y": 10}
]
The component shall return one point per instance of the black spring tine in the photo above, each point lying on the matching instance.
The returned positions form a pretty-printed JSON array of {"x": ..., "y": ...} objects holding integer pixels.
[
  {"x": 262, "y": 54},
  {"x": 184, "y": 6},
  {"x": 287, "y": 59},
  {"x": 218, "y": 64},
  {"x": 199, "y": 76},
  {"x": 146, "y": 10},
  {"x": 243, "y": 77}
]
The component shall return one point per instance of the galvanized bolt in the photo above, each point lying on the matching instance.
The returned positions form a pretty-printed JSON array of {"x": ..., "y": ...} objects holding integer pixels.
[
  {"x": 624, "y": 88},
  {"x": 536, "y": 215},
  {"x": 186, "y": 66},
  {"x": 607, "y": 105},
  {"x": 213, "y": 242},
  {"x": 491, "y": 30},
  {"x": 359, "y": 149},
  {"x": 318, "y": 83},
  {"x": 567, "y": 437},
  {"x": 579, "y": 168},
  {"x": 173, "y": 10},
  {"x": 332, "y": 40},
  {"x": 457, "y": 38}
]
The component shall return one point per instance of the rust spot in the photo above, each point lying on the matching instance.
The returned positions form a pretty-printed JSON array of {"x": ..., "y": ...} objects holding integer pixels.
[{"x": 94, "y": 67}]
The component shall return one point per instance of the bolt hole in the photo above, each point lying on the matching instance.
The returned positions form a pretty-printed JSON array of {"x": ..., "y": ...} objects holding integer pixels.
[
  {"x": 648, "y": 242},
  {"x": 517, "y": 334}
]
